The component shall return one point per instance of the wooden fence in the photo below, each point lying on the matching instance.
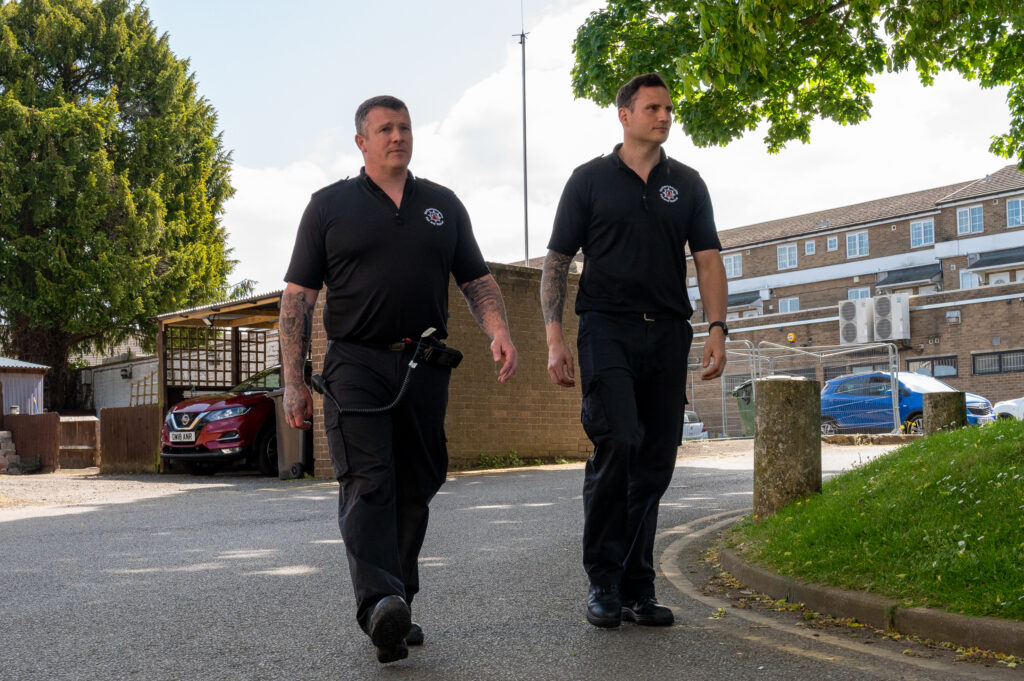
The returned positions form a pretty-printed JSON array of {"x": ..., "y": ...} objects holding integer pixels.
[
  {"x": 130, "y": 439},
  {"x": 36, "y": 435}
]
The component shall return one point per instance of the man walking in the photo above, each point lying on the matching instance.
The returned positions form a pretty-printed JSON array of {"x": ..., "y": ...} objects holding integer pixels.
[
  {"x": 385, "y": 244},
  {"x": 632, "y": 212}
]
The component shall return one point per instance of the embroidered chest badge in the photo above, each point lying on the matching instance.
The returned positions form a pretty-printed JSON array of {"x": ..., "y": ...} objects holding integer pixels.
[
  {"x": 434, "y": 216},
  {"x": 669, "y": 194}
]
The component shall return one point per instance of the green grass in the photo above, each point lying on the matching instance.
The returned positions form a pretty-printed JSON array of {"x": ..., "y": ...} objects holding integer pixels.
[{"x": 937, "y": 523}]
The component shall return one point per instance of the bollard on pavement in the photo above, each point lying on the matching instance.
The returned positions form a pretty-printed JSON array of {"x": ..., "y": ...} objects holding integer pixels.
[
  {"x": 944, "y": 411},
  {"x": 787, "y": 442}
]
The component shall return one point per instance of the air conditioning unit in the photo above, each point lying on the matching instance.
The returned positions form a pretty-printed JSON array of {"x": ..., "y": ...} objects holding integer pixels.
[
  {"x": 892, "y": 317},
  {"x": 855, "y": 321}
]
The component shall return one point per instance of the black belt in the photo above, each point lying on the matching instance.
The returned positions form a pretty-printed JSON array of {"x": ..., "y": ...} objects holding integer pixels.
[{"x": 397, "y": 346}]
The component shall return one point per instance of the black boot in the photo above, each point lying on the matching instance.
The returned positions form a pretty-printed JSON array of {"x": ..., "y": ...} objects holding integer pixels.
[
  {"x": 389, "y": 623},
  {"x": 604, "y": 607},
  {"x": 646, "y": 612}
]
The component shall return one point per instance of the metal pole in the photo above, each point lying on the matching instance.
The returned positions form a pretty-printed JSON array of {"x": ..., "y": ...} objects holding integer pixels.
[{"x": 526, "y": 210}]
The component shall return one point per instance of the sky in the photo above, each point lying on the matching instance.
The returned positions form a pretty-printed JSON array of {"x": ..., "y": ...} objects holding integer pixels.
[{"x": 286, "y": 78}]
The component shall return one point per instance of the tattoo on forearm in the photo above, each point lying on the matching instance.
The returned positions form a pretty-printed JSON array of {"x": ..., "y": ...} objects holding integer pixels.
[
  {"x": 553, "y": 286},
  {"x": 296, "y": 334},
  {"x": 486, "y": 304}
]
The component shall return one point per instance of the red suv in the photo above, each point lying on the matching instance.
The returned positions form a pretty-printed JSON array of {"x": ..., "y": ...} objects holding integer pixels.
[{"x": 207, "y": 432}]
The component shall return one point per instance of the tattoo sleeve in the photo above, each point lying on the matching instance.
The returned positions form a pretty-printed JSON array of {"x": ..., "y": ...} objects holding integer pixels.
[
  {"x": 553, "y": 286},
  {"x": 296, "y": 333},
  {"x": 486, "y": 304}
]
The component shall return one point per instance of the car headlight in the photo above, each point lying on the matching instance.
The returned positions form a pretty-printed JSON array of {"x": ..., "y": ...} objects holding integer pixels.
[{"x": 228, "y": 413}]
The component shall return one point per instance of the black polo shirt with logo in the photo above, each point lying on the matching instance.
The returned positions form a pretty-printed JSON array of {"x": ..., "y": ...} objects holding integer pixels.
[
  {"x": 386, "y": 268},
  {"x": 633, "y": 234}
]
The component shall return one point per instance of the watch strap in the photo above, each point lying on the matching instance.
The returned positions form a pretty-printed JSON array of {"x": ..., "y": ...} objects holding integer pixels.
[{"x": 725, "y": 329}]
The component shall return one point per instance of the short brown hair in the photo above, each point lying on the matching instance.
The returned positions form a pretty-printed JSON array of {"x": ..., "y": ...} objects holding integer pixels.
[
  {"x": 386, "y": 101},
  {"x": 627, "y": 93}
]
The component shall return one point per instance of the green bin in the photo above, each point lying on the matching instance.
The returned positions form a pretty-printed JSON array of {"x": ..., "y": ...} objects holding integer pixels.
[{"x": 744, "y": 394}]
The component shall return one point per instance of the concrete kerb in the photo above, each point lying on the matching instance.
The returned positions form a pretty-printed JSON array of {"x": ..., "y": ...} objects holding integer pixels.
[{"x": 987, "y": 633}]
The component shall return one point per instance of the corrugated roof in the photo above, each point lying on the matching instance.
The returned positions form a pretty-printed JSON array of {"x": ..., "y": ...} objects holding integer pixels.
[
  {"x": 805, "y": 226},
  {"x": 910, "y": 275},
  {"x": 1005, "y": 179},
  {"x": 8, "y": 363},
  {"x": 214, "y": 307}
]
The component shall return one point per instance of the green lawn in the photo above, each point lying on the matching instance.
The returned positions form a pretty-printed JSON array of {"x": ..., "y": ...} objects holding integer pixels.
[{"x": 938, "y": 523}]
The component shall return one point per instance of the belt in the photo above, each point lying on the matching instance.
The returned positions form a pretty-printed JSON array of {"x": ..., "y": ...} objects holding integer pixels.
[
  {"x": 654, "y": 316},
  {"x": 397, "y": 346}
]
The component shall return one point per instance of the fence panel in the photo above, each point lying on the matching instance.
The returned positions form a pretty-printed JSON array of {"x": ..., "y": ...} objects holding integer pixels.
[
  {"x": 36, "y": 435},
  {"x": 722, "y": 411},
  {"x": 130, "y": 439},
  {"x": 79, "y": 441}
]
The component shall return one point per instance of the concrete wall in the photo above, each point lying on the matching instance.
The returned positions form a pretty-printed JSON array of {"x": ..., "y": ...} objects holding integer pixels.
[{"x": 528, "y": 416}]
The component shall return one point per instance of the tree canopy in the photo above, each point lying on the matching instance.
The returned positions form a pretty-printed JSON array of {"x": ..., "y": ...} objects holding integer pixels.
[
  {"x": 732, "y": 64},
  {"x": 113, "y": 178}
]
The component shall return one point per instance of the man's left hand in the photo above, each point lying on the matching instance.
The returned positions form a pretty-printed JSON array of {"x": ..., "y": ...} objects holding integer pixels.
[
  {"x": 714, "y": 355},
  {"x": 503, "y": 351}
]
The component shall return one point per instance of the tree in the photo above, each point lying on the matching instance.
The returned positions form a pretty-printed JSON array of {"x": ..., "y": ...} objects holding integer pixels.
[
  {"x": 732, "y": 64},
  {"x": 113, "y": 178}
]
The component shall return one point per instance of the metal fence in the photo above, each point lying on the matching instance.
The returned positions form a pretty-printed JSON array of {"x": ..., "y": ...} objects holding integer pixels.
[{"x": 868, "y": 404}]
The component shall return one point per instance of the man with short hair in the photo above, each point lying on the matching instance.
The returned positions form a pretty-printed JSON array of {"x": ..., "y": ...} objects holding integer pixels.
[
  {"x": 632, "y": 212},
  {"x": 385, "y": 244}
]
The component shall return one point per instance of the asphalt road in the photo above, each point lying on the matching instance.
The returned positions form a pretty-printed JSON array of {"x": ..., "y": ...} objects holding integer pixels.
[{"x": 246, "y": 579}]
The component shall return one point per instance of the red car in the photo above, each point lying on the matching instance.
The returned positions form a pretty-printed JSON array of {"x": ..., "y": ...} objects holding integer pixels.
[{"x": 207, "y": 432}]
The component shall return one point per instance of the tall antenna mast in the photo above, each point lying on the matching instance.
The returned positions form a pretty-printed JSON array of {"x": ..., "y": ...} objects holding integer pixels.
[{"x": 526, "y": 210}]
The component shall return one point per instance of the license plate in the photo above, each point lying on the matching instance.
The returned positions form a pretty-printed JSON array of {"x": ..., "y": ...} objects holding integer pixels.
[
  {"x": 982, "y": 420},
  {"x": 183, "y": 437}
]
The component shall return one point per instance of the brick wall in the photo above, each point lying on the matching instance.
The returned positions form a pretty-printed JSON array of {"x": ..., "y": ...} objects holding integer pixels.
[{"x": 528, "y": 415}]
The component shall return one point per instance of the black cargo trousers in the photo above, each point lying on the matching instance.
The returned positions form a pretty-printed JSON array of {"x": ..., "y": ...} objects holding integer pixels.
[
  {"x": 389, "y": 464},
  {"x": 633, "y": 373}
]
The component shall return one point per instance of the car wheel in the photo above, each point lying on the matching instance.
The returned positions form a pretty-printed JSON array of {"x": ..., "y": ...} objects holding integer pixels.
[
  {"x": 1004, "y": 415},
  {"x": 266, "y": 452},
  {"x": 829, "y": 426},
  {"x": 196, "y": 468},
  {"x": 914, "y": 424}
]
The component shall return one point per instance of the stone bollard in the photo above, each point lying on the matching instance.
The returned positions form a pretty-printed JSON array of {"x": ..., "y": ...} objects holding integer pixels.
[
  {"x": 787, "y": 442},
  {"x": 944, "y": 411}
]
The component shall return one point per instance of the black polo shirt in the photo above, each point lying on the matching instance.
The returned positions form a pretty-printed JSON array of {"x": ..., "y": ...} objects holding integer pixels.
[
  {"x": 386, "y": 268},
  {"x": 633, "y": 234}
]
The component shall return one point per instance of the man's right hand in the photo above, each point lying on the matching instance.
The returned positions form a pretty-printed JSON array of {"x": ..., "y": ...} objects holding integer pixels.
[
  {"x": 298, "y": 406},
  {"x": 560, "y": 364}
]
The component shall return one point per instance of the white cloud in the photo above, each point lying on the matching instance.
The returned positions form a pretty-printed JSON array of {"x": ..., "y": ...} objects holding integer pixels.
[{"x": 917, "y": 138}]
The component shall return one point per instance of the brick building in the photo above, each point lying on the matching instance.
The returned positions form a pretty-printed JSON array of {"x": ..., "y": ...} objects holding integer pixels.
[{"x": 956, "y": 252}]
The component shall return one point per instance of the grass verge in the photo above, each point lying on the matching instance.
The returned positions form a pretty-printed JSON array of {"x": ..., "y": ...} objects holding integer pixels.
[{"x": 937, "y": 523}]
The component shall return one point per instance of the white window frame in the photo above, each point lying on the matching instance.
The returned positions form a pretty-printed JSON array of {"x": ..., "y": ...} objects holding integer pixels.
[
  {"x": 856, "y": 251},
  {"x": 733, "y": 265},
  {"x": 1006, "y": 275},
  {"x": 1015, "y": 212},
  {"x": 969, "y": 279},
  {"x": 809, "y": 247},
  {"x": 965, "y": 220},
  {"x": 921, "y": 227},
  {"x": 858, "y": 292},
  {"x": 790, "y": 251},
  {"x": 792, "y": 304},
  {"x": 832, "y": 244}
]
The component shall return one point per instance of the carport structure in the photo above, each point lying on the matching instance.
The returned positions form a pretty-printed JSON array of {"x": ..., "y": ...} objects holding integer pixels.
[{"x": 215, "y": 346}]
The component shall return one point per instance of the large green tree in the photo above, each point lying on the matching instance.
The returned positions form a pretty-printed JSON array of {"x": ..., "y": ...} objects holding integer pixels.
[
  {"x": 733, "y": 64},
  {"x": 113, "y": 178}
]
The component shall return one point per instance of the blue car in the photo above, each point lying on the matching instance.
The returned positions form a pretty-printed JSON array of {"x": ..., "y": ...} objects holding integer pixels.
[{"x": 862, "y": 403}]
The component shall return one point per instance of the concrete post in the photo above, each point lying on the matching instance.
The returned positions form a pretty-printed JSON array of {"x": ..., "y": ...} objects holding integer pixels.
[
  {"x": 787, "y": 442},
  {"x": 944, "y": 411}
]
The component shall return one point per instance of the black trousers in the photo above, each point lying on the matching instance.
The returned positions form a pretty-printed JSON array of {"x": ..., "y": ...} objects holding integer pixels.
[
  {"x": 389, "y": 464},
  {"x": 634, "y": 375}
]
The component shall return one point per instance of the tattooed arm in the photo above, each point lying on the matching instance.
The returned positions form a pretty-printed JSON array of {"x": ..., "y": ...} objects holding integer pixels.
[
  {"x": 488, "y": 308},
  {"x": 553, "y": 286},
  {"x": 296, "y": 333}
]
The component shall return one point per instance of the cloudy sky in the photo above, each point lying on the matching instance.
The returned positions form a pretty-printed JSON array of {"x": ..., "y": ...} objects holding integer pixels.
[{"x": 286, "y": 79}]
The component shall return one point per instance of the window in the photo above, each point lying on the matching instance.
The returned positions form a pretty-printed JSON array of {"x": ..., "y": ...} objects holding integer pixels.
[
  {"x": 1008, "y": 362},
  {"x": 969, "y": 280},
  {"x": 998, "y": 278},
  {"x": 856, "y": 244},
  {"x": 787, "y": 256},
  {"x": 833, "y": 243},
  {"x": 922, "y": 233},
  {"x": 733, "y": 265},
  {"x": 789, "y": 304},
  {"x": 858, "y": 293},
  {"x": 968, "y": 220},
  {"x": 751, "y": 313},
  {"x": 1015, "y": 212},
  {"x": 808, "y": 248},
  {"x": 939, "y": 367}
]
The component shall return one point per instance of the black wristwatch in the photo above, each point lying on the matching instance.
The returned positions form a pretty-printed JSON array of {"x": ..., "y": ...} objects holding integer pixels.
[{"x": 725, "y": 329}]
